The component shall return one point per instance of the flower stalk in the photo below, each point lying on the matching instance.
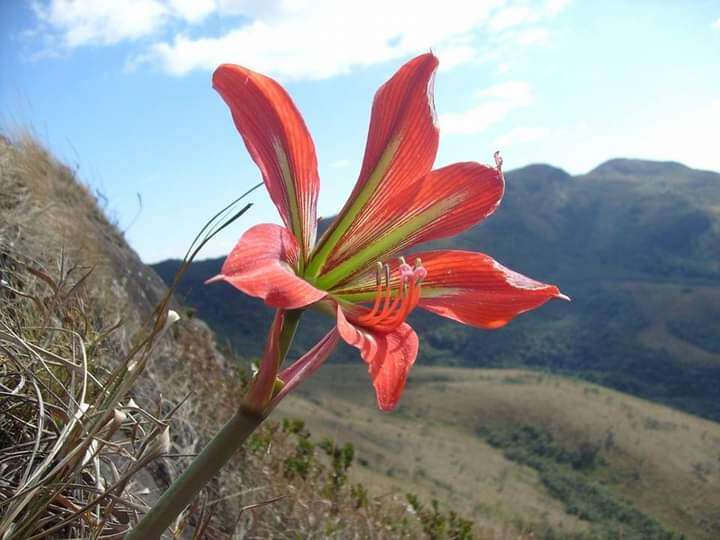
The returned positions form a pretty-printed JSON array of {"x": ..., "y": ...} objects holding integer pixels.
[
  {"x": 254, "y": 409},
  {"x": 208, "y": 463}
]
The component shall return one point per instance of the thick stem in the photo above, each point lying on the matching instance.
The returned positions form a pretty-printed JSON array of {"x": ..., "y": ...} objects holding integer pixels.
[{"x": 181, "y": 493}]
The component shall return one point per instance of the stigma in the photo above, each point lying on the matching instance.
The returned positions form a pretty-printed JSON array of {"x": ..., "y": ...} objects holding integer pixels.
[{"x": 394, "y": 299}]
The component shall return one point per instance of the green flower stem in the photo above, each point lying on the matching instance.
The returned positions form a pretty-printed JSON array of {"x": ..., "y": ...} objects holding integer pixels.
[
  {"x": 209, "y": 462},
  {"x": 287, "y": 333},
  {"x": 213, "y": 457}
]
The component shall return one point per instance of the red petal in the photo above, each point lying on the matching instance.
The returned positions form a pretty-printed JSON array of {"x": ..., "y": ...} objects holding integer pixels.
[
  {"x": 401, "y": 146},
  {"x": 474, "y": 289},
  {"x": 263, "y": 384},
  {"x": 403, "y": 108},
  {"x": 389, "y": 357},
  {"x": 306, "y": 365},
  {"x": 275, "y": 135},
  {"x": 261, "y": 264},
  {"x": 446, "y": 202}
]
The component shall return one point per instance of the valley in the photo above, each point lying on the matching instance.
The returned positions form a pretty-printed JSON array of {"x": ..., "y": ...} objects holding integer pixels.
[{"x": 527, "y": 448}]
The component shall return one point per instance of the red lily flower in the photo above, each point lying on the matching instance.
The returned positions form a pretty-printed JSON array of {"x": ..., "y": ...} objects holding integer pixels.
[{"x": 355, "y": 270}]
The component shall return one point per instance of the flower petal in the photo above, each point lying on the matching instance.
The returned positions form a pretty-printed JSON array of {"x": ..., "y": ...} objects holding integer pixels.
[
  {"x": 263, "y": 384},
  {"x": 279, "y": 142},
  {"x": 306, "y": 365},
  {"x": 446, "y": 202},
  {"x": 401, "y": 148},
  {"x": 389, "y": 357},
  {"x": 261, "y": 264},
  {"x": 474, "y": 289}
]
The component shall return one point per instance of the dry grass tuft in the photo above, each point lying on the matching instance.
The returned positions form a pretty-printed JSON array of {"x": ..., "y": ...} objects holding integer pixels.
[{"x": 72, "y": 439}]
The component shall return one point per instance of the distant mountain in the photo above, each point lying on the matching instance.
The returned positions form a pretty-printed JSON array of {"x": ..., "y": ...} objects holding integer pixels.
[{"x": 636, "y": 244}]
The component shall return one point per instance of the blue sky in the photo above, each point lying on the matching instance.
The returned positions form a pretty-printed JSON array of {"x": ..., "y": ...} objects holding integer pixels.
[{"x": 121, "y": 90}]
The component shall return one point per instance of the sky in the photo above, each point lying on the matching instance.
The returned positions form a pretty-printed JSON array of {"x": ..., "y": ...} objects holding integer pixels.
[{"x": 121, "y": 91}]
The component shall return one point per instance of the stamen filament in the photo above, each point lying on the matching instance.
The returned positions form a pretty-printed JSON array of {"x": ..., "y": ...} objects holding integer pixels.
[{"x": 387, "y": 313}]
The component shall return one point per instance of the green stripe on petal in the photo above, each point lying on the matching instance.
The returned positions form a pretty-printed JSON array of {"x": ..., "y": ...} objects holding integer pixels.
[
  {"x": 292, "y": 199},
  {"x": 343, "y": 224},
  {"x": 368, "y": 296},
  {"x": 381, "y": 247}
]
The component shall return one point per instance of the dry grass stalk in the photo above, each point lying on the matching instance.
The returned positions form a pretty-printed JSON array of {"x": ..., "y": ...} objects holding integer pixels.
[{"x": 72, "y": 438}]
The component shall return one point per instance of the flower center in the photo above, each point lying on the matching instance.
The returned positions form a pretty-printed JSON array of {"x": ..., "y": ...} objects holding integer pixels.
[{"x": 391, "y": 307}]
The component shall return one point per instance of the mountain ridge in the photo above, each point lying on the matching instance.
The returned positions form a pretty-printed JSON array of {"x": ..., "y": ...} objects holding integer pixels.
[{"x": 635, "y": 165}]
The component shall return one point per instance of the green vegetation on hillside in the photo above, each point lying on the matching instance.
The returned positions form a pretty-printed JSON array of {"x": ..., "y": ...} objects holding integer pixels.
[
  {"x": 559, "y": 457},
  {"x": 566, "y": 473}
]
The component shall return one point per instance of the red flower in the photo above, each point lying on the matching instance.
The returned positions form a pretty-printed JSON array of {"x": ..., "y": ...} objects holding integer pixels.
[{"x": 355, "y": 270}]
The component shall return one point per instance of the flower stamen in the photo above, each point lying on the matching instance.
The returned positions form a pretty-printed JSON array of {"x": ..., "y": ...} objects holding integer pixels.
[{"x": 396, "y": 304}]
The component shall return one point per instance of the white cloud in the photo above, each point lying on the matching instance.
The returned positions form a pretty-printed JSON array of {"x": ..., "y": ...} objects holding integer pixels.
[
  {"x": 517, "y": 15},
  {"x": 101, "y": 22},
  {"x": 515, "y": 91},
  {"x": 522, "y": 135},
  {"x": 512, "y": 16},
  {"x": 296, "y": 39},
  {"x": 497, "y": 102},
  {"x": 455, "y": 54},
  {"x": 340, "y": 163},
  {"x": 553, "y": 7},
  {"x": 193, "y": 11},
  {"x": 532, "y": 36},
  {"x": 716, "y": 24},
  {"x": 77, "y": 23},
  {"x": 321, "y": 39}
]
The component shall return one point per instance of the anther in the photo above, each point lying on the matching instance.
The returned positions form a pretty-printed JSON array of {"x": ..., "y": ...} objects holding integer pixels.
[
  {"x": 406, "y": 271},
  {"x": 391, "y": 307}
]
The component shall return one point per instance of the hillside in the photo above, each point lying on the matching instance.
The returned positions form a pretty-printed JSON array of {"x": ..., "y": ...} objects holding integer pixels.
[
  {"x": 636, "y": 244},
  {"x": 540, "y": 450}
]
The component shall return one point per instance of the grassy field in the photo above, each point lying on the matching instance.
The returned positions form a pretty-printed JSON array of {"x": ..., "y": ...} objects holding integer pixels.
[{"x": 445, "y": 440}]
